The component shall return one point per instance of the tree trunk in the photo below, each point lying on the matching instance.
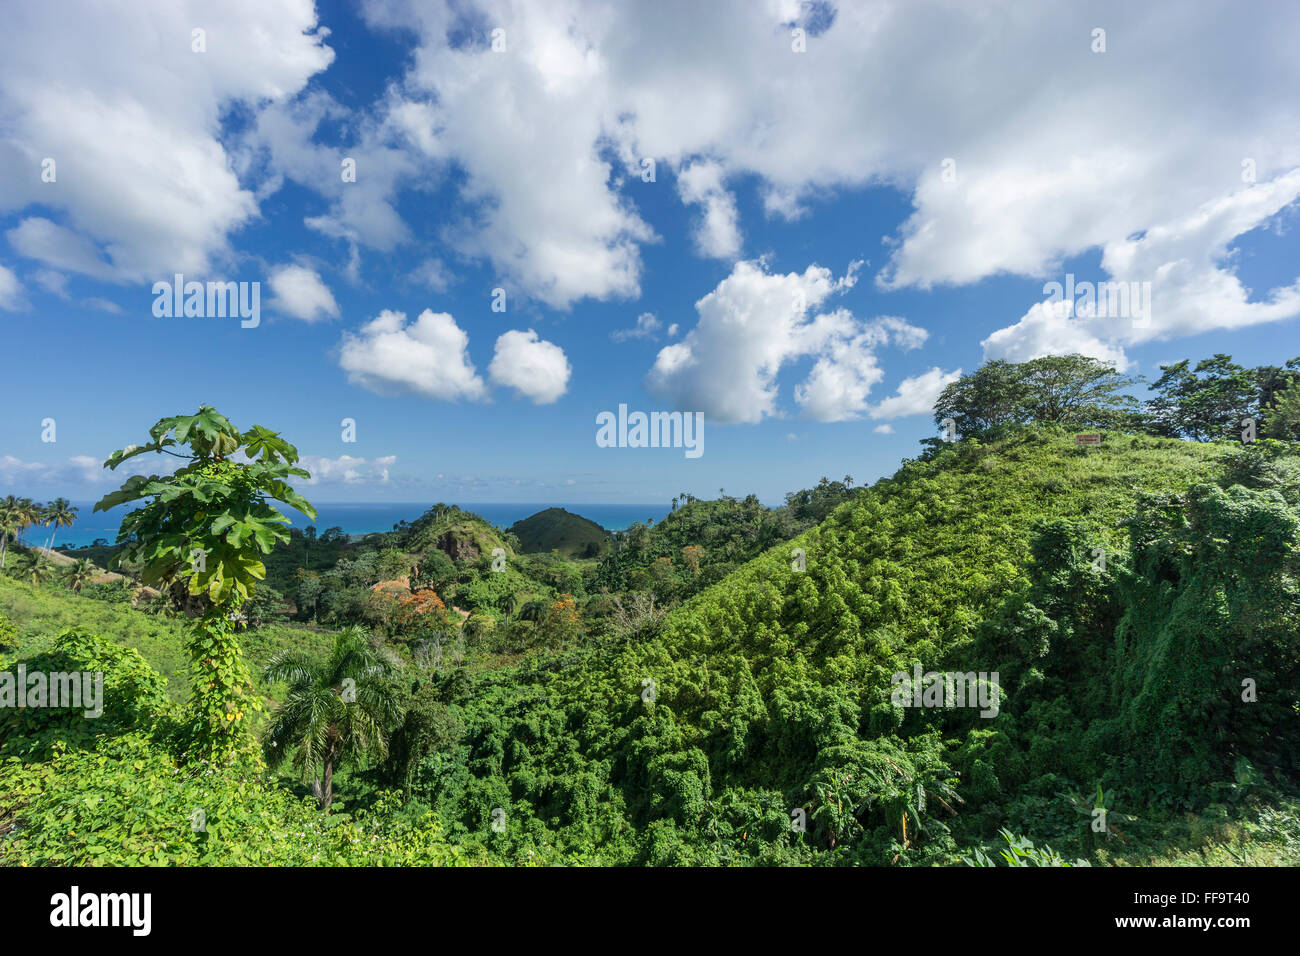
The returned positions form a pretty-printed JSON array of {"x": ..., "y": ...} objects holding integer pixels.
[
  {"x": 331, "y": 752},
  {"x": 328, "y": 796}
]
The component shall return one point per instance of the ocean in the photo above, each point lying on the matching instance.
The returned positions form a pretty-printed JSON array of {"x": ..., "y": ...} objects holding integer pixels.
[{"x": 363, "y": 518}]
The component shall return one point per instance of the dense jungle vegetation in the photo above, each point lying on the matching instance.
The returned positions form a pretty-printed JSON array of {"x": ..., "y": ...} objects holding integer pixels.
[{"x": 721, "y": 687}]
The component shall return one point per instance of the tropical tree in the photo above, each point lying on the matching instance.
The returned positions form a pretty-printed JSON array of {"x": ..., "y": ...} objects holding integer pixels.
[
  {"x": 59, "y": 513},
  {"x": 41, "y": 571},
  {"x": 29, "y": 513},
  {"x": 337, "y": 710},
  {"x": 78, "y": 574},
  {"x": 1283, "y": 420},
  {"x": 1071, "y": 390},
  {"x": 1203, "y": 403},
  {"x": 8, "y": 526},
  {"x": 201, "y": 536}
]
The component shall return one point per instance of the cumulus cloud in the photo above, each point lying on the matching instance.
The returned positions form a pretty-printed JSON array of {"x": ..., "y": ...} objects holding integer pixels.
[
  {"x": 299, "y": 292},
  {"x": 347, "y": 470},
  {"x": 717, "y": 234},
  {"x": 884, "y": 429},
  {"x": 755, "y": 323},
  {"x": 534, "y": 368},
  {"x": 130, "y": 116},
  {"x": 1175, "y": 282},
  {"x": 428, "y": 357},
  {"x": 1000, "y": 182},
  {"x": 646, "y": 327},
  {"x": 1140, "y": 152},
  {"x": 529, "y": 128},
  {"x": 915, "y": 396},
  {"x": 360, "y": 180}
]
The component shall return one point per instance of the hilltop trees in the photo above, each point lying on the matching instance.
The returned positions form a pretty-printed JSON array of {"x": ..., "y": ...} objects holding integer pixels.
[
  {"x": 1205, "y": 402},
  {"x": 1071, "y": 390},
  {"x": 1209, "y": 401},
  {"x": 1202, "y": 403},
  {"x": 1283, "y": 414}
]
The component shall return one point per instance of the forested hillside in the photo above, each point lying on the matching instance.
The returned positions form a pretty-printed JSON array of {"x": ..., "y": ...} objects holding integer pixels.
[
  {"x": 1132, "y": 607},
  {"x": 1070, "y": 571}
]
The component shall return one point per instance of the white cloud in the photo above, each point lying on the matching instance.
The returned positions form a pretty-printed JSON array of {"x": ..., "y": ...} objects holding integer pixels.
[
  {"x": 646, "y": 327},
  {"x": 429, "y": 357},
  {"x": 1190, "y": 289},
  {"x": 131, "y": 115},
  {"x": 1108, "y": 145},
  {"x": 299, "y": 292},
  {"x": 534, "y": 368},
  {"x": 38, "y": 238},
  {"x": 360, "y": 180},
  {"x": 433, "y": 274},
  {"x": 529, "y": 127},
  {"x": 884, "y": 429},
  {"x": 79, "y": 469},
  {"x": 1146, "y": 140},
  {"x": 753, "y": 324},
  {"x": 837, "y": 387},
  {"x": 11, "y": 291},
  {"x": 347, "y": 470},
  {"x": 717, "y": 234},
  {"x": 915, "y": 395}
]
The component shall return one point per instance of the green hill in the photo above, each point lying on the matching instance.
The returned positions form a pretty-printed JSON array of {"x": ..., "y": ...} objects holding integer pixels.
[
  {"x": 558, "y": 530},
  {"x": 768, "y": 696},
  {"x": 461, "y": 535},
  {"x": 1136, "y": 604}
]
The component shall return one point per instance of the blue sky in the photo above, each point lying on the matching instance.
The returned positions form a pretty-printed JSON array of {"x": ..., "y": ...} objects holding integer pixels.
[{"x": 912, "y": 176}]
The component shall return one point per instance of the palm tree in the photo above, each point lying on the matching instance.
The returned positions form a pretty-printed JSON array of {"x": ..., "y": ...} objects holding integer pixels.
[
  {"x": 79, "y": 574},
  {"x": 59, "y": 514},
  {"x": 508, "y": 604},
  {"x": 29, "y": 513},
  {"x": 41, "y": 571},
  {"x": 337, "y": 709},
  {"x": 8, "y": 526}
]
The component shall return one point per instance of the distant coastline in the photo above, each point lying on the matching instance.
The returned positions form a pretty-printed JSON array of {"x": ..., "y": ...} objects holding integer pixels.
[{"x": 367, "y": 518}]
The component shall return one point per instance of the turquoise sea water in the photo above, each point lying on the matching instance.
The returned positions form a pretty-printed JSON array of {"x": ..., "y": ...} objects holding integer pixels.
[{"x": 365, "y": 518}]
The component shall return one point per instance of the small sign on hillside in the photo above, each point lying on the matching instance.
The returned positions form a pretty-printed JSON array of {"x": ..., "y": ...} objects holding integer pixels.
[{"x": 1092, "y": 439}]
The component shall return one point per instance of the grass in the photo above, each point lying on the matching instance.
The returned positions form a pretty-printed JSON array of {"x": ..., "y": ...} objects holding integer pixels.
[{"x": 41, "y": 613}]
